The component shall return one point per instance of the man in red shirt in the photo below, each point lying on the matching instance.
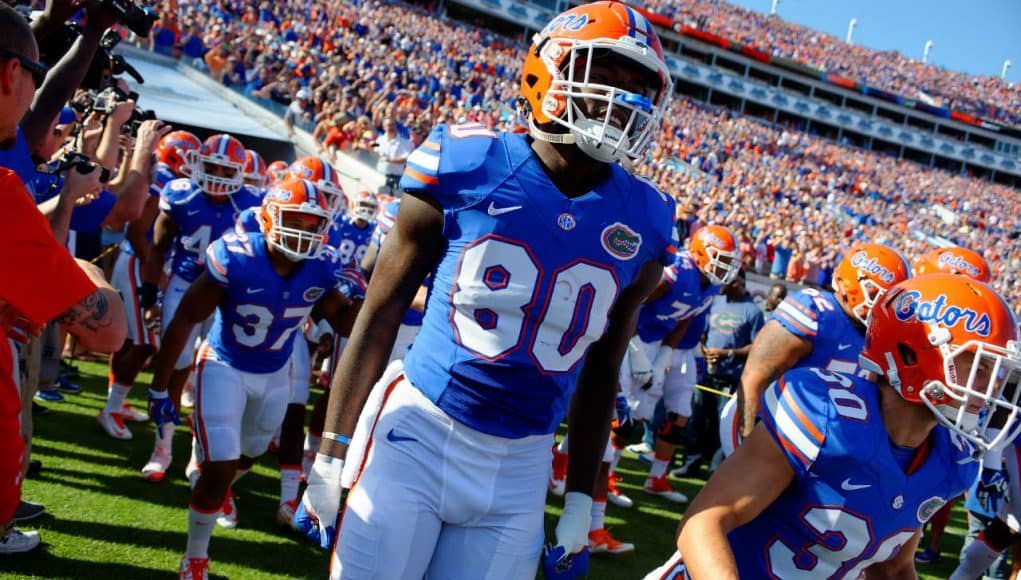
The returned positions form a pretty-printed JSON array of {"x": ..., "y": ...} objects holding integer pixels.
[{"x": 40, "y": 280}]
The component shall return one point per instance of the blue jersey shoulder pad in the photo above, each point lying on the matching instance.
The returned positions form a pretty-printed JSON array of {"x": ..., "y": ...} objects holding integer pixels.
[
  {"x": 795, "y": 410},
  {"x": 248, "y": 222},
  {"x": 661, "y": 211},
  {"x": 177, "y": 192},
  {"x": 450, "y": 152},
  {"x": 801, "y": 312}
]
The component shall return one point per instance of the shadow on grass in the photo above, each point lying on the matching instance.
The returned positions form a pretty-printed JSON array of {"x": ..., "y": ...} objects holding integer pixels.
[{"x": 289, "y": 559}]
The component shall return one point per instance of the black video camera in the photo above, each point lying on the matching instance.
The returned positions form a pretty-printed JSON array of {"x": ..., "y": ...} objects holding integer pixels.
[
  {"x": 80, "y": 163},
  {"x": 138, "y": 20}
]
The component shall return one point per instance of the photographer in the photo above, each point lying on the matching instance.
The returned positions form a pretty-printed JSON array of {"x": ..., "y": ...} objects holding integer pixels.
[{"x": 49, "y": 280}]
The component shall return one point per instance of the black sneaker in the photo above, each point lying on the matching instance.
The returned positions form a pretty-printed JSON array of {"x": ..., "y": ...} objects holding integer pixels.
[
  {"x": 69, "y": 370},
  {"x": 38, "y": 410},
  {"x": 35, "y": 467},
  {"x": 28, "y": 511}
]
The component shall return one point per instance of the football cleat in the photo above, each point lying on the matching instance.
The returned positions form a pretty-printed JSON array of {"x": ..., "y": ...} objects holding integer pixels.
[
  {"x": 193, "y": 569},
  {"x": 285, "y": 514},
  {"x": 558, "y": 479},
  {"x": 659, "y": 486},
  {"x": 129, "y": 413},
  {"x": 113, "y": 424},
  {"x": 639, "y": 448},
  {"x": 228, "y": 517},
  {"x": 613, "y": 494},
  {"x": 600, "y": 541},
  {"x": 159, "y": 461}
]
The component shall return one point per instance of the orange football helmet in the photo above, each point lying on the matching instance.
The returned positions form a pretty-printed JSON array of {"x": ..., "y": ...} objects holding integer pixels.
[
  {"x": 276, "y": 170},
  {"x": 716, "y": 253},
  {"x": 365, "y": 207},
  {"x": 282, "y": 206},
  {"x": 558, "y": 87},
  {"x": 172, "y": 149},
  {"x": 864, "y": 273},
  {"x": 954, "y": 260},
  {"x": 949, "y": 342},
  {"x": 255, "y": 169},
  {"x": 324, "y": 177},
  {"x": 218, "y": 166}
]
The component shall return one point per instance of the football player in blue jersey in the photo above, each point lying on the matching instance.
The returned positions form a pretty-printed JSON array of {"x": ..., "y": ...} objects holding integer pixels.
[
  {"x": 712, "y": 261},
  {"x": 541, "y": 249},
  {"x": 142, "y": 341},
  {"x": 255, "y": 177},
  {"x": 354, "y": 232},
  {"x": 814, "y": 328},
  {"x": 194, "y": 211},
  {"x": 326, "y": 180},
  {"x": 841, "y": 473},
  {"x": 261, "y": 285}
]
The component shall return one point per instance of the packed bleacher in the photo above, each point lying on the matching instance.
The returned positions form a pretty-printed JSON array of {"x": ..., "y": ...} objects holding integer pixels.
[
  {"x": 779, "y": 187},
  {"x": 982, "y": 96}
]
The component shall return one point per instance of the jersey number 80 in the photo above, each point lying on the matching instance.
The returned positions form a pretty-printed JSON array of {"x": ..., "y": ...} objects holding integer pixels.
[{"x": 499, "y": 282}]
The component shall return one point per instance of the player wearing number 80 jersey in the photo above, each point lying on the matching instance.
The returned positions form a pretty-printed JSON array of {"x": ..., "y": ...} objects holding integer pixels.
[
  {"x": 541, "y": 249},
  {"x": 842, "y": 472}
]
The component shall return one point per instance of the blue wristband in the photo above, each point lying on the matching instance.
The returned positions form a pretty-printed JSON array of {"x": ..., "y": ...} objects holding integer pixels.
[{"x": 344, "y": 439}]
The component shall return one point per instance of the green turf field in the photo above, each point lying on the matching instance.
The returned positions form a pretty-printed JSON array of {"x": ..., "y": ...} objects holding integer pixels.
[{"x": 104, "y": 521}]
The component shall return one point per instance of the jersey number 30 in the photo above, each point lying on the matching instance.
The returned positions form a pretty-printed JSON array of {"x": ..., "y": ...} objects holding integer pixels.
[{"x": 499, "y": 282}]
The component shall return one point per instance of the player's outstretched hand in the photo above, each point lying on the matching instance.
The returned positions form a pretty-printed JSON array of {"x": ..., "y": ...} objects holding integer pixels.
[
  {"x": 162, "y": 410},
  {"x": 558, "y": 564},
  {"x": 316, "y": 516},
  {"x": 992, "y": 489}
]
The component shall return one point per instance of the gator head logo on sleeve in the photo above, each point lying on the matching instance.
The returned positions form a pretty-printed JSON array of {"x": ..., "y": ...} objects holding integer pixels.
[{"x": 620, "y": 241}]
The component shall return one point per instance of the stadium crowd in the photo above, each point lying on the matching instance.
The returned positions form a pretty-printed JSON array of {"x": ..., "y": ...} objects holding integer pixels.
[
  {"x": 982, "y": 96},
  {"x": 376, "y": 77},
  {"x": 808, "y": 197}
]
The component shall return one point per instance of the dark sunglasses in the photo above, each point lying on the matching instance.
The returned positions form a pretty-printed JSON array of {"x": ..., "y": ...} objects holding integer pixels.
[{"x": 37, "y": 69}]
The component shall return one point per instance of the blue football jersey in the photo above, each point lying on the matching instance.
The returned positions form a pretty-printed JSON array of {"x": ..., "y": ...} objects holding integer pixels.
[
  {"x": 816, "y": 316},
  {"x": 161, "y": 176},
  {"x": 527, "y": 278},
  {"x": 851, "y": 503},
  {"x": 352, "y": 241},
  {"x": 199, "y": 221},
  {"x": 255, "y": 324},
  {"x": 685, "y": 299}
]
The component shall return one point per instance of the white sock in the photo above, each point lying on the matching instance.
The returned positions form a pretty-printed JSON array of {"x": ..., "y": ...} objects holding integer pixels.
[
  {"x": 658, "y": 467},
  {"x": 167, "y": 441},
  {"x": 200, "y": 529},
  {"x": 616, "y": 459},
  {"x": 562, "y": 447},
  {"x": 290, "y": 478},
  {"x": 977, "y": 558},
  {"x": 598, "y": 514},
  {"x": 116, "y": 397}
]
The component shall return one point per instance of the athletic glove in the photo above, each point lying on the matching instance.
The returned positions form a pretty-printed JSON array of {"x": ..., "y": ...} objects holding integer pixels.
[
  {"x": 162, "y": 410},
  {"x": 641, "y": 368},
  {"x": 992, "y": 489},
  {"x": 316, "y": 516},
  {"x": 569, "y": 558},
  {"x": 660, "y": 366}
]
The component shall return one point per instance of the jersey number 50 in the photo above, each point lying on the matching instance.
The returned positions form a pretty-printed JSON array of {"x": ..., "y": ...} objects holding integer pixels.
[{"x": 499, "y": 281}]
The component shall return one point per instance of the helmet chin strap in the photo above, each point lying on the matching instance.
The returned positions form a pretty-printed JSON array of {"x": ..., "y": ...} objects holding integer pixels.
[{"x": 555, "y": 138}]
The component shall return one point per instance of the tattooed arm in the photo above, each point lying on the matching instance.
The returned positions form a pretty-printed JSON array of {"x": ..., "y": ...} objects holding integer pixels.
[
  {"x": 98, "y": 320},
  {"x": 773, "y": 353}
]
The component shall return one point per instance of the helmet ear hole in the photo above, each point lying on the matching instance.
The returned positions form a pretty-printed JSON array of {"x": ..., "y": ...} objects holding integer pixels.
[
  {"x": 531, "y": 80},
  {"x": 907, "y": 354}
]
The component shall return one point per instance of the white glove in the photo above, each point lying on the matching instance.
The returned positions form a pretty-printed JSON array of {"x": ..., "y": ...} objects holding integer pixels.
[
  {"x": 572, "y": 529},
  {"x": 320, "y": 505},
  {"x": 641, "y": 368},
  {"x": 660, "y": 366}
]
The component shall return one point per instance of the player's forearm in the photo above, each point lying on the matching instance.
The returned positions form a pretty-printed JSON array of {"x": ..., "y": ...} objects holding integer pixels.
[
  {"x": 705, "y": 549},
  {"x": 152, "y": 268},
  {"x": 588, "y": 424},
  {"x": 173, "y": 343},
  {"x": 753, "y": 384},
  {"x": 364, "y": 358}
]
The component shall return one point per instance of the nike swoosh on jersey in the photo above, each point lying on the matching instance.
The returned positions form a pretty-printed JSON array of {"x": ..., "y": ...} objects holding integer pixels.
[
  {"x": 846, "y": 485},
  {"x": 254, "y": 290},
  {"x": 844, "y": 346},
  {"x": 495, "y": 211},
  {"x": 194, "y": 211},
  {"x": 395, "y": 438}
]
